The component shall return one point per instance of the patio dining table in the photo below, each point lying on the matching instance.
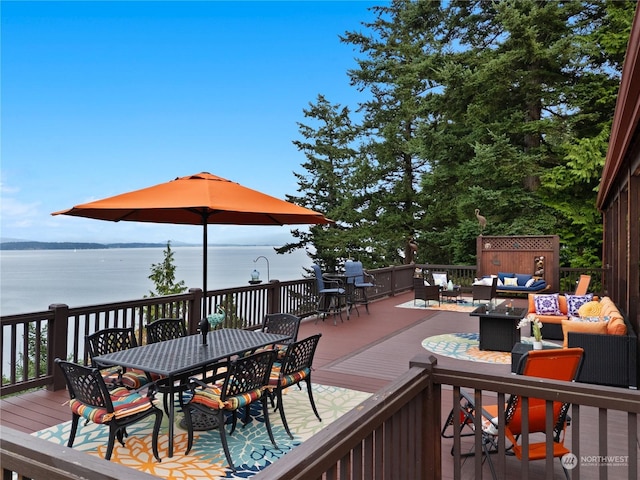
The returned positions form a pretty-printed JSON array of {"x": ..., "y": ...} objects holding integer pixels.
[{"x": 180, "y": 358}]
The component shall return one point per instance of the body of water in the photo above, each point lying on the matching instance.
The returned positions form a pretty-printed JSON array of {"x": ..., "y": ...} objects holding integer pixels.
[{"x": 31, "y": 280}]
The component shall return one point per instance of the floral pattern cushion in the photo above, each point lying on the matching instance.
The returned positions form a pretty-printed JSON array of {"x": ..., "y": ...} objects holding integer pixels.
[
  {"x": 547, "y": 304},
  {"x": 574, "y": 302}
]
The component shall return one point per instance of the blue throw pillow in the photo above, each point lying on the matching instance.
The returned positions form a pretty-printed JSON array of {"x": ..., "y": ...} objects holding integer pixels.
[
  {"x": 547, "y": 304},
  {"x": 574, "y": 302},
  {"x": 523, "y": 279}
]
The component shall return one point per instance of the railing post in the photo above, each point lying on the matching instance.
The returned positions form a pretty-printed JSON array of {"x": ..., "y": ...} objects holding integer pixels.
[
  {"x": 194, "y": 311},
  {"x": 58, "y": 333},
  {"x": 273, "y": 296},
  {"x": 392, "y": 277},
  {"x": 431, "y": 467}
]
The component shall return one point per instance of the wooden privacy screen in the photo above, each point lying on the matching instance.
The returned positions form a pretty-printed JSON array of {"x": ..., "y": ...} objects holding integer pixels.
[{"x": 537, "y": 255}]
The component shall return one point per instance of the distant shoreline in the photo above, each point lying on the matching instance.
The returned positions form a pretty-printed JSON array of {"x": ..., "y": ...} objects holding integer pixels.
[{"x": 97, "y": 246}]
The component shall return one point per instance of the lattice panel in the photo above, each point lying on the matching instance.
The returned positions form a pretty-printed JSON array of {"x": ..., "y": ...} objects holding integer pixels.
[{"x": 535, "y": 244}]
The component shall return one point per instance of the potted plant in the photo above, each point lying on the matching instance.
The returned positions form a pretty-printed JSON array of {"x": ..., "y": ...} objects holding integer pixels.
[{"x": 536, "y": 326}]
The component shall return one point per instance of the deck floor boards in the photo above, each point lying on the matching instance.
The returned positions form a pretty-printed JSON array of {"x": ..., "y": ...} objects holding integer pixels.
[{"x": 349, "y": 355}]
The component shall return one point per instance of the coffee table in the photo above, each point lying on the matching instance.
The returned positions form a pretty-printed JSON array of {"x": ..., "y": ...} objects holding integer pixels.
[{"x": 498, "y": 327}]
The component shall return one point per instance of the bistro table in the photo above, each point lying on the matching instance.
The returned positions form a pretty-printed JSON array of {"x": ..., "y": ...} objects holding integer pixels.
[
  {"x": 499, "y": 327},
  {"x": 179, "y": 358},
  {"x": 450, "y": 295}
]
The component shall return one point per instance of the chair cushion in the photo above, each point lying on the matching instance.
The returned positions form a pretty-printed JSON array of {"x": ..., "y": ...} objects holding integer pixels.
[
  {"x": 287, "y": 380},
  {"x": 210, "y": 398},
  {"x": 547, "y": 304},
  {"x": 124, "y": 402},
  {"x": 134, "y": 379}
]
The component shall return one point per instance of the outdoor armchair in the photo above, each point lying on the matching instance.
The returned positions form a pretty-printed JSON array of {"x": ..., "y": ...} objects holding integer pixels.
[
  {"x": 425, "y": 292},
  {"x": 484, "y": 292},
  {"x": 118, "y": 408}
]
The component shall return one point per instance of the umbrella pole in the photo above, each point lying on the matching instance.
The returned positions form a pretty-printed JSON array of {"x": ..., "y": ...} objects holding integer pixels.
[{"x": 204, "y": 266}]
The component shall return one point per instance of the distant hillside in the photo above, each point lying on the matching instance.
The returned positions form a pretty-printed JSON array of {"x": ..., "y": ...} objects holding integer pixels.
[{"x": 73, "y": 245}]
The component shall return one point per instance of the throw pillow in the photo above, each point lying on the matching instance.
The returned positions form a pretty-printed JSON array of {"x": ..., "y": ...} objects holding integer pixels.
[
  {"x": 590, "y": 309},
  {"x": 510, "y": 282},
  {"x": 547, "y": 304},
  {"x": 529, "y": 282},
  {"x": 584, "y": 327},
  {"x": 616, "y": 326},
  {"x": 574, "y": 302}
]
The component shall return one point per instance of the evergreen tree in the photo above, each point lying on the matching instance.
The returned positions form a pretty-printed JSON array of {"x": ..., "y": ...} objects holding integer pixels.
[{"x": 329, "y": 152}]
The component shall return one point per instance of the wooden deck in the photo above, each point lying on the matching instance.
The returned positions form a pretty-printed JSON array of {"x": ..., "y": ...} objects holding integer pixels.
[{"x": 363, "y": 353}]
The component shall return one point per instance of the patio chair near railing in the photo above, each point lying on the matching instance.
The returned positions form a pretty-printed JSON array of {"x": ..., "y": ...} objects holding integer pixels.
[
  {"x": 161, "y": 330},
  {"x": 111, "y": 340},
  {"x": 357, "y": 283},
  {"x": 425, "y": 292},
  {"x": 557, "y": 364},
  {"x": 583, "y": 285},
  {"x": 165, "y": 329},
  {"x": 331, "y": 295},
  {"x": 117, "y": 409}
]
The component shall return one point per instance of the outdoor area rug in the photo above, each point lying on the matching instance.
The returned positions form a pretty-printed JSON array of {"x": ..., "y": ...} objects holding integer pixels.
[
  {"x": 462, "y": 305},
  {"x": 465, "y": 346},
  {"x": 250, "y": 447}
]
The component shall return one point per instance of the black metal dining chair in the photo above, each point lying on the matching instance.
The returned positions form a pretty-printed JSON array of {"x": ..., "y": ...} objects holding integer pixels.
[
  {"x": 292, "y": 370},
  {"x": 161, "y": 330},
  {"x": 244, "y": 382},
  {"x": 111, "y": 340},
  {"x": 118, "y": 408},
  {"x": 165, "y": 329}
]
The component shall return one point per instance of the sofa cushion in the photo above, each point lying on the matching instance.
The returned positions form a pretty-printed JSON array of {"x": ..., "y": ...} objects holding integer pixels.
[
  {"x": 523, "y": 279},
  {"x": 547, "y": 304},
  {"x": 584, "y": 327},
  {"x": 574, "y": 302}
]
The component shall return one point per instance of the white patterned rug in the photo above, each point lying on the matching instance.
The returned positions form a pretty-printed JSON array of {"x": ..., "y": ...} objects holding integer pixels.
[{"x": 464, "y": 304}]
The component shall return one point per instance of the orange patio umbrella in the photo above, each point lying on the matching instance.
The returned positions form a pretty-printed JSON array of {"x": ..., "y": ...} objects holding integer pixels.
[{"x": 200, "y": 199}]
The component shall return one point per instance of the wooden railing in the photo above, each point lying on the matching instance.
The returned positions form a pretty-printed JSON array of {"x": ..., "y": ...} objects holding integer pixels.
[
  {"x": 396, "y": 434},
  {"x": 30, "y": 342}
]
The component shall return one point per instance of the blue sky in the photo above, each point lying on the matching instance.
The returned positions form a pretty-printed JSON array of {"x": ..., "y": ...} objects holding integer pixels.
[{"x": 99, "y": 98}]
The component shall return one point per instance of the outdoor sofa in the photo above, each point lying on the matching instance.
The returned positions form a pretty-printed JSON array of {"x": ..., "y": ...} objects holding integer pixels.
[
  {"x": 517, "y": 283},
  {"x": 598, "y": 326}
]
